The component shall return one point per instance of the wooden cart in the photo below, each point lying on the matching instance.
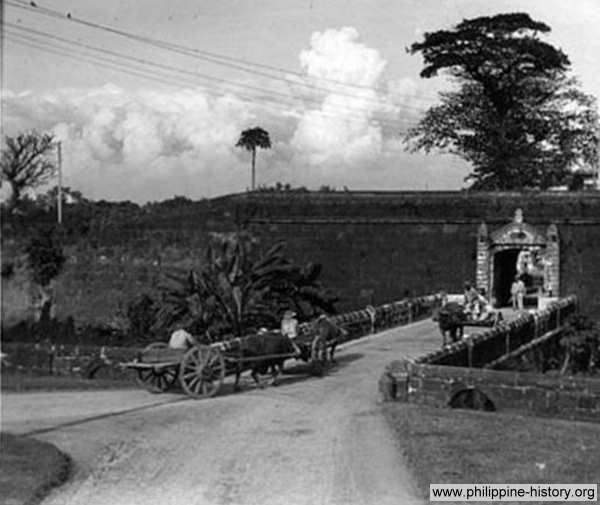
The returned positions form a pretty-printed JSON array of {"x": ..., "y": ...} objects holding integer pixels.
[
  {"x": 200, "y": 370},
  {"x": 494, "y": 319}
]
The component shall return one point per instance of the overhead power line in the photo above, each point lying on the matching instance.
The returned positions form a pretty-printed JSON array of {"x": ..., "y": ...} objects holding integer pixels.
[
  {"x": 143, "y": 73},
  {"x": 215, "y": 58},
  {"x": 116, "y": 58},
  {"x": 49, "y": 48}
]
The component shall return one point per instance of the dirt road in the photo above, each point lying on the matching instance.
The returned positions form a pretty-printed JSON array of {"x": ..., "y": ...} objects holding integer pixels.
[{"x": 307, "y": 441}]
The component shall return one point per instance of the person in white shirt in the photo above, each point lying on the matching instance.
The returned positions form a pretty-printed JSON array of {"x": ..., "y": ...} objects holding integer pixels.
[
  {"x": 520, "y": 288},
  {"x": 181, "y": 339},
  {"x": 289, "y": 328},
  {"x": 485, "y": 307}
]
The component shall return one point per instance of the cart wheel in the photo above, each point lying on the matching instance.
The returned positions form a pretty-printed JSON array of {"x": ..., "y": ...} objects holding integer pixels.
[
  {"x": 156, "y": 380},
  {"x": 202, "y": 371}
]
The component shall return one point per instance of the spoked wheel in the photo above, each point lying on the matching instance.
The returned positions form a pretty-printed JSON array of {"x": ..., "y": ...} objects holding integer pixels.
[
  {"x": 202, "y": 371},
  {"x": 156, "y": 380}
]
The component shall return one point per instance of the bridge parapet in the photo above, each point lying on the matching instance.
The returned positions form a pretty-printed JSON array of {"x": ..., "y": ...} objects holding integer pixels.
[
  {"x": 482, "y": 348},
  {"x": 461, "y": 375},
  {"x": 360, "y": 323},
  {"x": 88, "y": 360}
]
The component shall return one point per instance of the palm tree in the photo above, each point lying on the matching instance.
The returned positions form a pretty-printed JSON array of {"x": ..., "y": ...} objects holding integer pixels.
[{"x": 251, "y": 139}]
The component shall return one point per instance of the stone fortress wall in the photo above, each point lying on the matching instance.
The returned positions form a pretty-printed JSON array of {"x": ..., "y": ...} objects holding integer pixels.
[{"x": 374, "y": 246}]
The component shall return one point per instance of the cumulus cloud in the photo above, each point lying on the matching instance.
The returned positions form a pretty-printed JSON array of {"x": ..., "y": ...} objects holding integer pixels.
[
  {"x": 142, "y": 144},
  {"x": 149, "y": 145},
  {"x": 342, "y": 130},
  {"x": 339, "y": 56}
]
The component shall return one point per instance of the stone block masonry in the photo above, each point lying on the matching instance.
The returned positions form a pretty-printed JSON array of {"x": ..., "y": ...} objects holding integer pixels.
[
  {"x": 373, "y": 246},
  {"x": 526, "y": 393},
  {"x": 454, "y": 377},
  {"x": 481, "y": 349}
]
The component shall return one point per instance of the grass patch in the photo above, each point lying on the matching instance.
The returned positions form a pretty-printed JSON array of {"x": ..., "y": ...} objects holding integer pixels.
[
  {"x": 29, "y": 469},
  {"x": 461, "y": 446},
  {"x": 22, "y": 382}
]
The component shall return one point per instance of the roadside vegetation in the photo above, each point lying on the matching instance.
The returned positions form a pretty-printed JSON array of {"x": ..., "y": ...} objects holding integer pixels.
[
  {"x": 240, "y": 288},
  {"x": 462, "y": 446},
  {"x": 576, "y": 351},
  {"x": 29, "y": 469},
  {"x": 23, "y": 382},
  {"x": 232, "y": 284}
]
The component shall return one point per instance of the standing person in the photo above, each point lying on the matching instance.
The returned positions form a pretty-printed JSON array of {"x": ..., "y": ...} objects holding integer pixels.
[
  {"x": 520, "y": 291},
  {"x": 485, "y": 308},
  {"x": 289, "y": 328},
  {"x": 471, "y": 297},
  {"x": 513, "y": 293}
]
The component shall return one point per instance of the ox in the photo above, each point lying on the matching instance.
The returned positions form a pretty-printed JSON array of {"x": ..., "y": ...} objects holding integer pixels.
[
  {"x": 451, "y": 319},
  {"x": 248, "y": 351},
  {"x": 327, "y": 336}
]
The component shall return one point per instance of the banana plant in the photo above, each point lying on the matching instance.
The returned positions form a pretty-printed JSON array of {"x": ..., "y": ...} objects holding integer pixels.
[{"x": 240, "y": 289}]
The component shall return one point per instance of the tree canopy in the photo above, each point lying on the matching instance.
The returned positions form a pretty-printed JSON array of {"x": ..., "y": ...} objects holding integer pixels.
[
  {"x": 517, "y": 116},
  {"x": 251, "y": 139},
  {"x": 25, "y": 163}
]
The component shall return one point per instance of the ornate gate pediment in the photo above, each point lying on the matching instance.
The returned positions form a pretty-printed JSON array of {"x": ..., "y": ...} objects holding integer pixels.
[{"x": 517, "y": 235}]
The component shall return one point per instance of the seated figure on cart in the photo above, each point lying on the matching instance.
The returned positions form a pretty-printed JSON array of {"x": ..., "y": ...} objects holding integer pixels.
[
  {"x": 181, "y": 339},
  {"x": 289, "y": 328}
]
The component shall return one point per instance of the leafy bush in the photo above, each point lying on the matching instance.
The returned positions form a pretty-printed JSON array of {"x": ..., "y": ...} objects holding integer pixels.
[
  {"x": 141, "y": 318},
  {"x": 45, "y": 255},
  {"x": 241, "y": 289},
  {"x": 581, "y": 342},
  {"x": 45, "y": 330}
]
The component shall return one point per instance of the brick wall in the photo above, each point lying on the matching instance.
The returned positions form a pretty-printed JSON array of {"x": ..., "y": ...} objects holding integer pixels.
[
  {"x": 490, "y": 345},
  {"x": 374, "y": 246},
  {"x": 527, "y": 393},
  {"x": 66, "y": 359},
  {"x": 455, "y": 374},
  {"x": 377, "y": 246}
]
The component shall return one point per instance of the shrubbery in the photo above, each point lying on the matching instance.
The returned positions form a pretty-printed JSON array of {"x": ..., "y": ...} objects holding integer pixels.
[
  {"x": 45, "y": 255},
  {"x": 581, "y": 344}
]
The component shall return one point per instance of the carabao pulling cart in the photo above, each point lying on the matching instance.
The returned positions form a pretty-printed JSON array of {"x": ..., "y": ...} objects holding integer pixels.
[{"x": 201, "y": 369}]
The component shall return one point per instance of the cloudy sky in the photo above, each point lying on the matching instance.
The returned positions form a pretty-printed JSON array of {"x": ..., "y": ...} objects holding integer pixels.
[{"x": 149, "y": 97}]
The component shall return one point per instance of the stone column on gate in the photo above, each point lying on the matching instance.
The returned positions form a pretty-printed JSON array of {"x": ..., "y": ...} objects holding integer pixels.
[
  {"x": 552, "y": 256},
  {"x": 483, "y": 259}
]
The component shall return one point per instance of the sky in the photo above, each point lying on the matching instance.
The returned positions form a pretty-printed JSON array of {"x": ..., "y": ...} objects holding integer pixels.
[{"x": 157, "y": 113}]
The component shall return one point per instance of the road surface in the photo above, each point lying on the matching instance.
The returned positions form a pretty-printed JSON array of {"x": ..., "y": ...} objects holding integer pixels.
[{"x": 308, "y": 441}]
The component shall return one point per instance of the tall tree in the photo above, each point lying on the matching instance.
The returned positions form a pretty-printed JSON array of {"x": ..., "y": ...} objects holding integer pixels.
[
  {"x": 517, "y": 116},
  {"x": 251, "y": 139},
  {"x": 25, "y": 162}
]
